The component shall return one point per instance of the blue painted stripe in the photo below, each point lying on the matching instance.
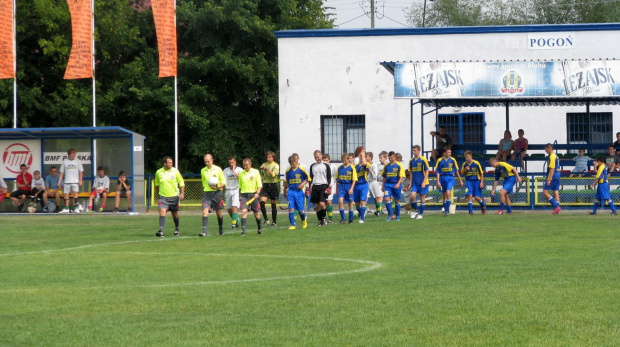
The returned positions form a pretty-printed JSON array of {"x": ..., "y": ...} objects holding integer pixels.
[{"x": 449, "y": 30}]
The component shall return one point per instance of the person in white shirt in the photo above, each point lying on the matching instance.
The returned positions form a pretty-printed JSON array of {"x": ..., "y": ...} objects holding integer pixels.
[
  {"x": 101, "y": 187},
  {"x": 231, "y": 195},
  {"x": 38, "y": 189},
  {"x": 72, "y": 171}
]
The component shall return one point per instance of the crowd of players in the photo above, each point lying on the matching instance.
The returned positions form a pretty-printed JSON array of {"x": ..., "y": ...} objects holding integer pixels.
[{"x": 352, "y": 182}]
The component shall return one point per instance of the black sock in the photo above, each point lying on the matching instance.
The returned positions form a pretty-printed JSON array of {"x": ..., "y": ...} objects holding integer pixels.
[
  {"x": 258, "y": 223},
  {"x": 220, "y": 221},
  {"x": 243, "y": 223},
  {"x": 176, "y": 223},
  {"x": 162, "y": 223},
  {"x": 274, "y": 212},
  {"x": 263, "y": 210},
  {"x": 205, "y": 223}
]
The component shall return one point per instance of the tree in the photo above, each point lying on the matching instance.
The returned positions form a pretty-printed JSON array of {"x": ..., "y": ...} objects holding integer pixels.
[
  {"x": 228, "y": 92},
  {"x": 441, "y": 13}
]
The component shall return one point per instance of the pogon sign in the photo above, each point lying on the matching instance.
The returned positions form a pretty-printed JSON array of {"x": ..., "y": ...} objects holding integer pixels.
[{"x": 560, "y": 40}]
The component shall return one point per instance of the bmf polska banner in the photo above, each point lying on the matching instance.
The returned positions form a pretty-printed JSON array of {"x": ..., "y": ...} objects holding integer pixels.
[{"x": 441, "y": 80}]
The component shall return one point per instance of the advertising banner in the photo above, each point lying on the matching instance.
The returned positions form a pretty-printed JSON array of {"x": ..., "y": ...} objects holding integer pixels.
[
  {"x": 7, "y": 54},
  {"x": 592, "y": 78},
  {"x": 80, "y": 60},
  {"x": 15, "y": 153},
  {"x": 165, "y": 28}
]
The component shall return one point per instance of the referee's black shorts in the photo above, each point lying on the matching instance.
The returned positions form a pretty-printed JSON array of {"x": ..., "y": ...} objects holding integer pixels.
[
  {"x": 318, "y": 193},
  {"x": 270, "y": 190}
]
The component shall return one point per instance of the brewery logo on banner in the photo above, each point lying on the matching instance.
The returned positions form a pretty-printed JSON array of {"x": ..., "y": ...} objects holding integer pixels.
[
  {"x": 16, "y": 153},
  {"x": 588, "y": 78},
  {"x": 439, "y": 80},
  {"x": 512, "y": 83}
]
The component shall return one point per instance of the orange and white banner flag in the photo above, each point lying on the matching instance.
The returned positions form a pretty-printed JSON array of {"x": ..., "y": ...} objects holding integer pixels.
[
  {"x": 7, "y": 50},
  {"x": 163, "y": 14},
  {"x": 80, "y": 61}
]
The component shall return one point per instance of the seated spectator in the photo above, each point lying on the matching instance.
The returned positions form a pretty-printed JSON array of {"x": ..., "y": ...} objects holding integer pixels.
[
  {"x": 520, "y": 149},
  {"x": 612, "y": 160},
  {"x": 617, "y": 143},
  {"x": 581, "y": 163},
  {"x": 3, "y": 189},
  {"x": 444, "y": 141},
  {"x": 52, "y": 187},
  {"x": 23, "y": 182},
  {"x": 506, "y": 146},
  {"x": 38, "y": 189},
  {"x": 101, "y": 186},
  {"x": 123, "y": 188}
]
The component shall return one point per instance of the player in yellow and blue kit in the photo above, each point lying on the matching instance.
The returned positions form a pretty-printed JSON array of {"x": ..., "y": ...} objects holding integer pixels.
[
  {"x": 553, "y": 179},
  {"x": 446, "y": 167},
  {"x": 510, "y": 176},
  {"x": 602, "y": 190},
  {"x": 393, "y": 175},
  {"x": 345, "y": 185},
  {"x": 418, "y": 178},
  {"x": 474, "y": 181},
  {"x": 360, "y": 192},
  {"x": 295, "y": 179}
]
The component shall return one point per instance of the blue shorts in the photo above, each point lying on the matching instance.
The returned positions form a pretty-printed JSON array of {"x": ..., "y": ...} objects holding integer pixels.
[
  {"x": 447, "y": 182},
  {"x": 296, "y": 199},
  {"x": 555, "y": 185},
  {"x": 417, "y": 188},
  {"x": 343, "y": 192},
  {"x": 509, "y": 184},
  {"x": 602, "y": 192},
  {"x": 360, "y": 192},
  {"x": 391, "y": 191},
  {"x": 473, "y": 188}
]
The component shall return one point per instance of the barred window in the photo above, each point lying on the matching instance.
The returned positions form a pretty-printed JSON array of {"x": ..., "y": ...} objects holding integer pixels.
[
  {"x": 597, "y": 129},
  {"x": 464, "y": 128},
  {"x": 342, "y": 134}
]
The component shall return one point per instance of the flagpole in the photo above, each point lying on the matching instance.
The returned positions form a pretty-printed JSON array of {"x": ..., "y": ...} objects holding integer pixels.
[
  {"x": 14, "y": 64},
  {"x": 176, "y": 106},
  {"x": 93, "y": 163}
]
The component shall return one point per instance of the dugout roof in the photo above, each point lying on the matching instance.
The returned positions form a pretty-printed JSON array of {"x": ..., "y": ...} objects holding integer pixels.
[{"x": 64, "y": 133}]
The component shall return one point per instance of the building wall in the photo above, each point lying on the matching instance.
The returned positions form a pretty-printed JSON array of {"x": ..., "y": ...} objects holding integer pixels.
[{"x": 342, "y": 75}]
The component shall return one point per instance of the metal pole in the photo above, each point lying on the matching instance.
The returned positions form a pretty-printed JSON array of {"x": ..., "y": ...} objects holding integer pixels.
[
  {"x": 372, "y": 13},
  {"x": 424, "y": 15},
  {"x": 14, "y": 64},
  {"x": 422, "y": 125},
  {"x": 176, "y": 106},
  {"x": 92, "y": 47},
  {"x": 507, "y": 115},
  {"x": 411, "y": 123}
]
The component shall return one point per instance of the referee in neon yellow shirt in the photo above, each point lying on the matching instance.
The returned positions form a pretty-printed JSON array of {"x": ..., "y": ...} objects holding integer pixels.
[
  {"x": 250, "y": 185},
  {"x": 168, "y": 182}
]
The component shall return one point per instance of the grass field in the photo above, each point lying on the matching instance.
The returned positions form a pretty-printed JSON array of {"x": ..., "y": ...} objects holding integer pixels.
[{"x": 525, "y": 279}]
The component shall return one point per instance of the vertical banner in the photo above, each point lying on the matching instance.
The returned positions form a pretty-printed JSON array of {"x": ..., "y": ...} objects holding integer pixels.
[
  {"x": 165, "y": 27},
  {"x": 80, "y": 61},
  {"x": 7, "y": 55}
]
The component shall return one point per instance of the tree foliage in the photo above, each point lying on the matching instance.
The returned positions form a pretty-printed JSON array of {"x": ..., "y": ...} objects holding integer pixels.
[
  {"x": 227, "y": 83},
  {"x": 441, "y": 13}
]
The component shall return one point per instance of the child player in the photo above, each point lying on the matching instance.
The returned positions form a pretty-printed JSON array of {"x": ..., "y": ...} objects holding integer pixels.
[
  {"x": 360, "y": 193},
  {"x": 602, "y": 190},
  {"x": 553, "y": 179},
  {"x": 345, "y": 184},
  {"x": 510, "y": 176},
  {"x": 295, "y": 179},
  {"x": 101, "y": 186},
  {"x": 446, "y": 168},
  {"x": 374, "y": 186},
  {"x": 474, "y": 180},
  {"x": 418, "y": 178},
  {"x": 393, "y": 175},
  {"x": 332, "y": 188}
]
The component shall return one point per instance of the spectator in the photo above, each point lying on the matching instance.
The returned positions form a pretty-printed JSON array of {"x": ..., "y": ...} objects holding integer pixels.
[
  {"x": 123, "y": 188},
  {"x": 581, "y": 163},
  {"x": 72, "y": 171},
  {"x": 506, "y": 146},
  {"x": 101, "y": 187},
  {"x": 520, "y": 149},
  {"x": 617, "y": 143},
  {"x": 23, "y": 182},
  {"x": 52, "y": 187},
  {"x": 444, "y": 141},
  {"x": 38, "y": 189},
  {"x": 612, "y": 161},
  {"x": 3, "y": 189}
]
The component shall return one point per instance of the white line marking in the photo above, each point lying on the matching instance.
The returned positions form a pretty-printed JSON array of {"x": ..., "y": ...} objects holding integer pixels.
[{"x": 371, "y": 265}]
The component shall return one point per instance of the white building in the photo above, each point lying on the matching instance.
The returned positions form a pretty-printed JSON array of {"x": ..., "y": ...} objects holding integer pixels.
[{"x": 337, "y": 88}]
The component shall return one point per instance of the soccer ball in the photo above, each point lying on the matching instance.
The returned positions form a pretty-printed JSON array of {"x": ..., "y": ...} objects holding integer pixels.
[
  {"x": 78, "y": 209},
  {"x": 32, "y": 207},
  {"x": 213, "y": 181}
]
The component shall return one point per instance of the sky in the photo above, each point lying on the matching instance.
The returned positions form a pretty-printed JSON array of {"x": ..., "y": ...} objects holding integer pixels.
[{"x": 349, "y": 14}]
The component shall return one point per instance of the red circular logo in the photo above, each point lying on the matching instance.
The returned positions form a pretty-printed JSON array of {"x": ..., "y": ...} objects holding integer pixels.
[{"x": 15, "y": 155}]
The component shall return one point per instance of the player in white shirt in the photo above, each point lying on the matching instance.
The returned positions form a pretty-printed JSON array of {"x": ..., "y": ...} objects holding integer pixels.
[
  {"x": 101, "y": 187},
  {"x": 334, "y": 171},
  {"x": 72, "y": 171},
  {"x": 231, "y": 196},
  {"x": 38, "y": 189},
  {"x": 374, "y": 183}
]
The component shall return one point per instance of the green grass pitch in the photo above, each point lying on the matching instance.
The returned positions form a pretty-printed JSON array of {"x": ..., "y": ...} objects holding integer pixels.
[{"x": 525, "y": 279}]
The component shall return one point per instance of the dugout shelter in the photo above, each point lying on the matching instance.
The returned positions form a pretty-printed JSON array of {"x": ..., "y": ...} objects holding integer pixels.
[{"x": 115, "y": 148}]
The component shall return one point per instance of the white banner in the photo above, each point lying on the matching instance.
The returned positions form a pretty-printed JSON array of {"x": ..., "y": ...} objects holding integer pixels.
[
  {"x": 15, "y": 153},
  {"x": 58, "y": 157}
]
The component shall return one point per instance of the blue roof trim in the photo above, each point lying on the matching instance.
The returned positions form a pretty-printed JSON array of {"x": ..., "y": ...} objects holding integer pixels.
[
  {"x": 448, "y": 30},
  {"x": 64, "y": 133}
]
